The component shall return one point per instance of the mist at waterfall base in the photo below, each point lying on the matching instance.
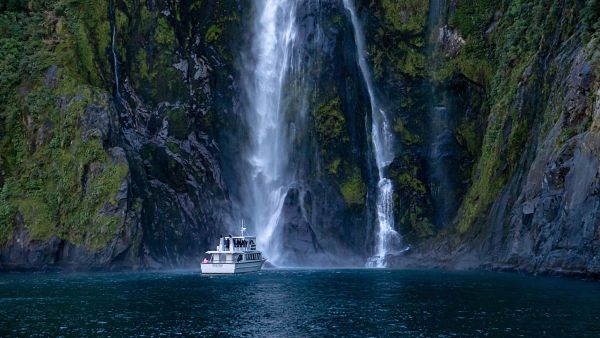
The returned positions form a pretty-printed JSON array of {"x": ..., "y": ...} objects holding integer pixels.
[{"x": 298, "y": 303}]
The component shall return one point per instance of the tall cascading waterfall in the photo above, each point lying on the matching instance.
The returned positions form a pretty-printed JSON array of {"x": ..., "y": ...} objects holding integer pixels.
[
  {"x": 270, "y": 133},
  {"x": 388, "y": 239}
]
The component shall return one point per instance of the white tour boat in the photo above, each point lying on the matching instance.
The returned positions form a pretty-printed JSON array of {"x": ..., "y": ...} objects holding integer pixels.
[{"x": 234, "y": 255}]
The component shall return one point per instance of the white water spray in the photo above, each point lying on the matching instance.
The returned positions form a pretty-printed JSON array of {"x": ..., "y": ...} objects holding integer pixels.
[
  {"x": 383, "y": 144},
  {"x": 268, "y": 153}
]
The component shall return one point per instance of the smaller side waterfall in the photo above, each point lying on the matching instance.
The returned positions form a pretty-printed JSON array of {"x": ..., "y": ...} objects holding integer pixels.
[
  {"x": 113, "y": 19},
  {"x": 383, "y": 145},
  {"x": 115, "y": 62},
  {"x": 443, "y": 159}
]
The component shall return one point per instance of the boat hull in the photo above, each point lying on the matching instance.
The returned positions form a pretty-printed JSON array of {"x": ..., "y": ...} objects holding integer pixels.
[{"x": 231, "y": 268}]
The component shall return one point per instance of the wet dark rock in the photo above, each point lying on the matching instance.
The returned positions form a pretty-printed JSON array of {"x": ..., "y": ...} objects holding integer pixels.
[
  {"x": 450, "y": 41},
  {"x": 95, "y": 123},
  {"x": 51, "y": 77},
  {"x": 298, "y": 239}
]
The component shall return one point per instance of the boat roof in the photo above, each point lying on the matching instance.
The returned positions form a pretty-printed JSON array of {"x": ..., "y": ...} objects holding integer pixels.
[{"x": 235, "y": 252}]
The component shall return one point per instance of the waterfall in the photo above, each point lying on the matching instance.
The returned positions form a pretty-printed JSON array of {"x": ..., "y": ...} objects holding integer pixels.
[
  {"x": 113, "y": 18},
  {"x": 115, "y": 62},
  {"x": 383, "y": 145},
  {"x": 270, "y": 132},
  {"x": 442, "y": 156}
]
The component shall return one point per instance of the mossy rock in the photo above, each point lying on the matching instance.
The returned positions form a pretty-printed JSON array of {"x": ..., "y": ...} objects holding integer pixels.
[
  {"x": 406, "y": 16},
  {"x": 354, "y": 190},
  {"x": 56, "y": 178},
  {"x": 331, "y": 123},
  {"x": 178, "y": 123},
  {"x": 212, "y": 34}
]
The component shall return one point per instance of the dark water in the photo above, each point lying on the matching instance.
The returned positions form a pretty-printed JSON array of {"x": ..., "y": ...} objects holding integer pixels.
[{"x": 290, "y": 303}]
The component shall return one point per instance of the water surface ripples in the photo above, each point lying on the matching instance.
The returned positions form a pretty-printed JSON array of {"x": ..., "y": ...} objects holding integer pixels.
[{"x": 298, "y": 303}]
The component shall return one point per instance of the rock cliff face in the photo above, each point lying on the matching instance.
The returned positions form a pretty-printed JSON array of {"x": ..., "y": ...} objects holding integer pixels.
[
  {"x": 547, "y": 216},
  {"x": 122, "y": 127},
  {"x": 532, "y": 203},
  {"x": 146, "y": 79}
]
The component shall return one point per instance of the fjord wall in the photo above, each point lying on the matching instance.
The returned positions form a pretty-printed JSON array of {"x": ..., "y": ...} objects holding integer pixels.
[{"x": 130, "y": 132}]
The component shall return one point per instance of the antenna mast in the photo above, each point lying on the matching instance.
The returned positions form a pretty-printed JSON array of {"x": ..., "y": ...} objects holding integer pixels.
[{"x": 243, "y": 228}]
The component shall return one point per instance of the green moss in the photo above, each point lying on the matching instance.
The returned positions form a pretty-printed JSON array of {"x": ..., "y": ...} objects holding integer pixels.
[
  {"x": 122, "y": 21},
  {"x": 178, "y": 123},
  {"x": 141, "y": 65},
  {"x": 59, "y": 183},
  {"x": 213, "y": 33},
  {"x": 145, "y": 20},
  {"x": 337, "y": 19},
  {"x": 487, "y": 181},
  {"x": 333, "y": 167},
  {"x": 479, "y": 71},
  {"x": 423, "y": 227},
  {"x": 469, "y": 136},
  {"x": 85, "y": 53},
  {"x": 412, "y": 62},
  {"x": 354, "y": 190},
  {"x": 86, "y": 39},
  {"x": 442, "y": 70},
  {"x": 518, "y": 36},
  {"x": 66, "y": 183},
  {"x": 419, "y": 226},
  {"x": 408, "y": 138},
  {"x": 471, "y": 18},
  {"x": 410, "y": 182},
  {"x": 379, "y": 58},
  {"x": 406, "y": 16},
  {"x": 7, "y": 212},
  {"x": 331, "y": 123},
  {"x": 173, "y": 147},
  {"x": 396, "y": 48},
  {"x": 195, "y": 5},
  {"x": 164, "y": 34},
  {"x": 517, "y": 140}
]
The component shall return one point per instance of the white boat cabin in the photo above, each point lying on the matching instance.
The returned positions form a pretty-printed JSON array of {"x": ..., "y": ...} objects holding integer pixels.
[
  {"x": 234, "y": 255},
  {"x": 235, "y": 250}
]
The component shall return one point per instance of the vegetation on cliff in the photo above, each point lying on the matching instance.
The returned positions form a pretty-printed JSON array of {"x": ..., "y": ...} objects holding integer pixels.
[
  {"x": 501, "y": 67},
  {"x": 56, "y": 174},
  {"x": 397, "y": 41},
  {"x": 507, "y": 42}
]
